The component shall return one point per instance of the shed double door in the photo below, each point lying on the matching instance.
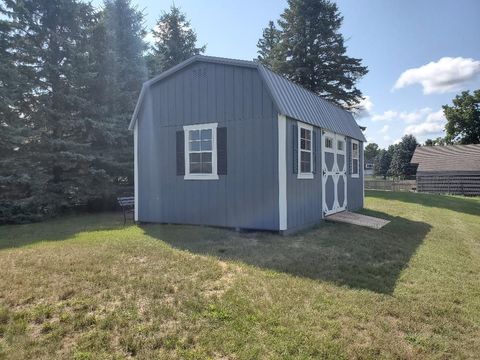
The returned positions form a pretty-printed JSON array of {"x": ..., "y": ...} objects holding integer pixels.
[{"x": 334, "y": 172}]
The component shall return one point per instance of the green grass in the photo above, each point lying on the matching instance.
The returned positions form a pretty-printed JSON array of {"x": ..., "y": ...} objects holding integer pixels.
[{"x": 86, "y": 287}]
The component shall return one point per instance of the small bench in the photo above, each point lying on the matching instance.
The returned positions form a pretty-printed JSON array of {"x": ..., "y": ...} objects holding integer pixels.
[{"x": 128, "y": 206}]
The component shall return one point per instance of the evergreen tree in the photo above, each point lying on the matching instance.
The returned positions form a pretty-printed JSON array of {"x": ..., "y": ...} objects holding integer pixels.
[
  {"x": 175, "y": 41},
  {"x": 267, "y": 45},
  {"x": 371, "y": 151},
  {"x": 124, "y": 63},
  {"x": 311, "y": 52},
  {"x": 402, "y": 154},
  {"x": 463, "y": 119},
  {"x": 381, "y": 163}
]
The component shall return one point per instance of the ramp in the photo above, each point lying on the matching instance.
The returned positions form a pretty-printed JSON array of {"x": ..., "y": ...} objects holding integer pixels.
[{"x": 357, "y": 219}]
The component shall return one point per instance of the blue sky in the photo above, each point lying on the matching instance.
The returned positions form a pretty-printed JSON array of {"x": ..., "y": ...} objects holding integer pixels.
[{"x": 390, "y": 36}]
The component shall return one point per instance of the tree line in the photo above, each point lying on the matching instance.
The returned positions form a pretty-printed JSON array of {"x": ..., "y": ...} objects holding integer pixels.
[
  {"x": 393, "y": 161},
  {"x": 70, "y": 75},
  {"x": 462, "y": 127}
]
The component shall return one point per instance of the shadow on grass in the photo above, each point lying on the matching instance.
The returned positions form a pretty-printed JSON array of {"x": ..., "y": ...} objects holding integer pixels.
[
  {"x": 58, "y": 229},
  {"x": 454, "y": 203},
  {"x": 343, "y": 254}
]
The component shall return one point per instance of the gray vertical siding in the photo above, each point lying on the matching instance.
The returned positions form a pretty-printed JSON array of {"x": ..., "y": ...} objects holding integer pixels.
[
  {"x": 354, "y": 185},
  {"x": 304, "y": 196},
  {"x": 236, "y": 98}
]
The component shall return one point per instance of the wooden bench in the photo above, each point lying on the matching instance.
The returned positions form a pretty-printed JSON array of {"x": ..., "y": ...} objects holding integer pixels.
[{"x": 128, "y": 206}]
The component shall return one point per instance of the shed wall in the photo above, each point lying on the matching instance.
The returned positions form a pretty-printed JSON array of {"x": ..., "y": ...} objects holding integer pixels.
[
  {"x": 304, "y": 196},
  {"x": 235, "y": 98}
]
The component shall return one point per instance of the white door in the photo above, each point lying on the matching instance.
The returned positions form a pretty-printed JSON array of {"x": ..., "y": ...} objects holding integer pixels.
[{"x": 334, "y": 172}]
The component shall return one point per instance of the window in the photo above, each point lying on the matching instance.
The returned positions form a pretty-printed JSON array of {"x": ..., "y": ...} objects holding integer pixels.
[
  {"x": 340, "y": 145},
  {"x": 328, "y": 142},
  {"x": 201, "y": 152},
  {"x": 355, "y": 157},
  {"x": 305, "y": 154}
]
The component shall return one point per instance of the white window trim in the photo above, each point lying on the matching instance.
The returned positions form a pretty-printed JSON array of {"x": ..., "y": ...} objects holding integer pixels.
[
  {"x": 300, "y": 174},
  {"x": 186, "y": 130},
  {"x": 357, "y": 175}
]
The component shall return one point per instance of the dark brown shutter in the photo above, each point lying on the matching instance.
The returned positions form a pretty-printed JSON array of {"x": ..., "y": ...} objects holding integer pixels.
[
  {"x": 295, "y": 147},
  {"x": 222, "y": 151},
  {"x": 180, "y": 152}
]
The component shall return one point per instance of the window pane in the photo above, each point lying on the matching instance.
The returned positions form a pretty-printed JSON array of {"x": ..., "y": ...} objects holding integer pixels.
[
  {"x": 308, "y": 134},
  {"x": 355, "y": 166},
  {"x": 207, "y": 168},
  {"x": 195, "y": 158},
  {"x": 207, "y": 134},
  {"x": 302, "y": 133},
  {"x": 195, "y": 168},
  {"x": 207, "y": 157},
  {"x": 328, "y": 142},
  {"x": 194, "y": 145},
  {"x": 194, "y": 134},
  {"x": 308, "y": 145},
  {"x": 206, "y": 145},
  {"x": 304, "y": 156},
  {"x": 340, "y": 145},
  {"x": 302, "y": 144},
  {"x": 304, "y": 167}
]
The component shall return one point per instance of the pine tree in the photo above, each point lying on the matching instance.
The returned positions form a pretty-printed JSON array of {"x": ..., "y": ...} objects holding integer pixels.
[
  {"x": 402, "y": 154},
  {"x": 175, "y": 41},
  {"x": 268, "y": 45},
  {"x": 381, "y": 163},
  {"x": 311, "y": 52},
  {"x": 125, "y": 65}
]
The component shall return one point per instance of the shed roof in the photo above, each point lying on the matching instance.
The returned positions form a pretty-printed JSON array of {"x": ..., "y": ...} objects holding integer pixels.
[
  {"x": 451, "y": 158},
  {"x": 291, "y": 99}
]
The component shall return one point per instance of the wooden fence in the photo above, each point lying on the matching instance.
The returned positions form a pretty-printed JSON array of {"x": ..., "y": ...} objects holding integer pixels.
[{"x": 390, "y": 185}]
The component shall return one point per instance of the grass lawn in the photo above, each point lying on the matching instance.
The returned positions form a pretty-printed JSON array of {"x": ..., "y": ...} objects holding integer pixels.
[{"x": 86, "y": 287}]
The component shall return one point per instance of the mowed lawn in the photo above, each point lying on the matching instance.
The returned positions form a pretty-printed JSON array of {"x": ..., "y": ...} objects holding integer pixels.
[{"x": 86, "y": 287}]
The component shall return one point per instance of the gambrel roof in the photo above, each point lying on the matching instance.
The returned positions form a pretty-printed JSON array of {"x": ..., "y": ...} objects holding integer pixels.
[{"x": 291, "y": 99}]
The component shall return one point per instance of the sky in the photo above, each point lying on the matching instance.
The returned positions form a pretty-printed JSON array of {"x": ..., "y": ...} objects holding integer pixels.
[{"x": 420, "y": 53}]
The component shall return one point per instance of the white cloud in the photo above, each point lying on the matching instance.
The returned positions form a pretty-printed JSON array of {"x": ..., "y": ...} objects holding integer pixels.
[
  {"x": 447, "y": 74},
  {"x": 408, "y": 117},
  {"x": 414, "y": 116},
  {"x": 436, "y": 116},
  {"x": 426, "y": 128},
  {"x": 434, "y": 124},
  {"x": 385, "y": 129},
  {"x": 365, "y": 106},
  {"x": 386, "y": 116}
]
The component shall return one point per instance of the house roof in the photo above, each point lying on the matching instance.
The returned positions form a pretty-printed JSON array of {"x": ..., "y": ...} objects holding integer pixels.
[
  {"x": 291, "y": 99},
  {"x": 452, "y": 158}
]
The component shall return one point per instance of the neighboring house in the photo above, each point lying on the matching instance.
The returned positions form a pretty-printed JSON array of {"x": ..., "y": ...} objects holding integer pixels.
[
  {"x": 368, "y": 168},
  {"x": 453, "y": 169},
  {"x": 229, "y": 143}
]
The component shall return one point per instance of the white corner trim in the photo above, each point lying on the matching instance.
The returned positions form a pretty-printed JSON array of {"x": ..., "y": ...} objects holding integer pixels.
[
  {"x": 135, "y": 167},
  {"x": 282, "y": 172},
  {"x": 214, "y": 174}
]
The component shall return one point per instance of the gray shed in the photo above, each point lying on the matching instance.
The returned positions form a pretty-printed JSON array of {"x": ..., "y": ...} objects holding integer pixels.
[
  {"x": 230, "y": 143},
  {"x": 453, "y": 169}
]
